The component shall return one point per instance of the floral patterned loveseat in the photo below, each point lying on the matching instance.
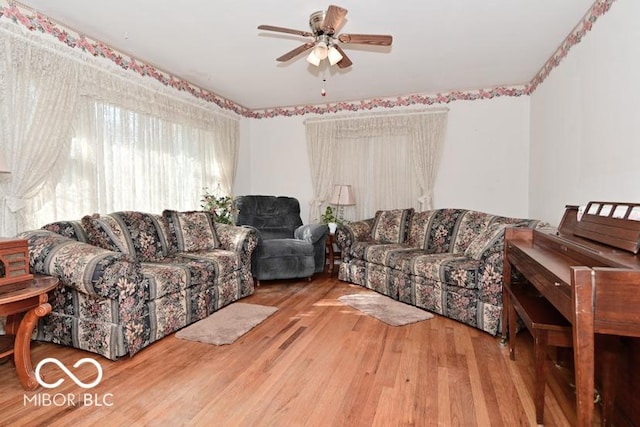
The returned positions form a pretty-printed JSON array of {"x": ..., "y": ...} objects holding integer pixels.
[
  {"x": 447, "y": 261},
  {"x": 131, "y": 278}
]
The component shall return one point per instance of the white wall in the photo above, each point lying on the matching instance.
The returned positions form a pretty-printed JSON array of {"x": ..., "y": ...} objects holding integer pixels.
[
  {"x": 484, "y": 164},
  {"x": 279, "y": 161},
  {"x": 585, "y": 120},
  {"x": 485, "y": 159},
  {"x": 242, "y": 183}
]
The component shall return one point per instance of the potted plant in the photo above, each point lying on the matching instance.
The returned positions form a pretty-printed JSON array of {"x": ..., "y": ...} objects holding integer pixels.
[
  {"x": 329, "y": 218},
  {"x": 220, "y": 206}
]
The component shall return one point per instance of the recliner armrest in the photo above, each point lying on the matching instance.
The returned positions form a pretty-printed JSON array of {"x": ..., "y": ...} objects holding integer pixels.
[{"x": 311, "y": 233}]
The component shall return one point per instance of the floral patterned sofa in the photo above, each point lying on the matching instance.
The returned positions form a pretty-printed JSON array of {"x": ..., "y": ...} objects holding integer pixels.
[
  {"x": 447, "y": 261},
  {"x": 131, "y": 278}
]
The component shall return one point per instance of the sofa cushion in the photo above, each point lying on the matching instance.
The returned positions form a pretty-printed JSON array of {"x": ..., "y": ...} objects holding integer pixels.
[
  {"x": 391, "y": 226},
  {"x": 72, "y": 229},
  {"x": 419, "y": 227},
  {"x": 105, "y": 232},
  {"x": 454, "y": 270},
  {"x": 192, "y": 231},
  {"x": 130, "y": 232},
  {"x": 164, "y": 232},
  {"x": 165, "y": 277},
  {"x": 376, "y": 253},
  {"x": 223, "y": 262},
  {"x": 435, "y": 231},
  {"x": 483, "y": 241},
  {"x": 470, "y": 226}
]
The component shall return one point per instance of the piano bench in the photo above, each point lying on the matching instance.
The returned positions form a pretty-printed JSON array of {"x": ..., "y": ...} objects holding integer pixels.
[{"x": 548, "y": 328}]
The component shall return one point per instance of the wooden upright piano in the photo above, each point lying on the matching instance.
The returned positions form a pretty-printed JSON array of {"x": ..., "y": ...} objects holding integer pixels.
[{"x": 589, "y": 270}]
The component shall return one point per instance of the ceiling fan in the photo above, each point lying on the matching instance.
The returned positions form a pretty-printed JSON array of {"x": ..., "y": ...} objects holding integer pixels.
[{"x": 324, "y": 25}]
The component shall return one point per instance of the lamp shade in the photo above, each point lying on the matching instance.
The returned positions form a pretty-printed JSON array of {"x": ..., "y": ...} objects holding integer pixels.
[
  {"x": 334, "y": 56},
  {"x": 342, "y": 195},
  {"x": 4, "y": 168},
  {"x": 321, "y": 50},
  {"x": 313, "y": 59}
]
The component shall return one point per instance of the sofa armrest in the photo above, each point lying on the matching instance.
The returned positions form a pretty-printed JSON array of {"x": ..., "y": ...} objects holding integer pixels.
[
  {"x": 311, "y": 233},
  {"x": 488, "y": 248},
  {"x": 97, "y": 272},
  {"x": 85, "y": 268},
  {"x": 351, "y": 232},
  {"x": 241, "y": 239}
]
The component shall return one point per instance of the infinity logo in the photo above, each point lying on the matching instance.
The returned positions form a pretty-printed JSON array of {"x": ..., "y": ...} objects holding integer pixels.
[{"x": 68, "y": 372}]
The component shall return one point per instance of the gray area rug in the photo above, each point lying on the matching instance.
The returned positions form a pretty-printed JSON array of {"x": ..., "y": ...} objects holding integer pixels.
[
  {"x": 386, "y": 309},
  {"x": 228, "y": 324}
]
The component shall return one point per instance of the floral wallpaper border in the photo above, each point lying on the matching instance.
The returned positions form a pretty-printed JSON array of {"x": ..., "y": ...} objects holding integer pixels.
[{"x": 38, "y": 22}]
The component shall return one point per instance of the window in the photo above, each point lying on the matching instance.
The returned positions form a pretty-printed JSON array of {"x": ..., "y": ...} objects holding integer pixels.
[
  {"x": 123, "y": 160},
  {"x": 390, "y": 160}
]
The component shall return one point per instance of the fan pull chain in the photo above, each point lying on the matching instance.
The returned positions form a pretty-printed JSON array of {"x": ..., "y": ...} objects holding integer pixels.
[{"x": 323, "y": 92}]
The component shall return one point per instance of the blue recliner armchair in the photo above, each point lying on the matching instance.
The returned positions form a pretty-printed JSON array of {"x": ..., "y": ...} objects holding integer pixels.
[{"x": 287, "y": 249}]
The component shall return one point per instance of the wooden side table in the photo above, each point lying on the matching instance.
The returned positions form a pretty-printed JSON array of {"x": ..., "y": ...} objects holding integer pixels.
[
  {"x": 332, "y": 253},
  {"x": 30, "y": 299}
]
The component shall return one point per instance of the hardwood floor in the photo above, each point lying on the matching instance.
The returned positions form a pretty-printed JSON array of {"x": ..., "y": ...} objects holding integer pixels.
[{"x": 315, "y": 362}]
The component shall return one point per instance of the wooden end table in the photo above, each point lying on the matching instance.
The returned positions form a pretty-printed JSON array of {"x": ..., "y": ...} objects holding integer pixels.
[
  {"x": 331, "y": 240},
  {"x": 31, "y": 299}
]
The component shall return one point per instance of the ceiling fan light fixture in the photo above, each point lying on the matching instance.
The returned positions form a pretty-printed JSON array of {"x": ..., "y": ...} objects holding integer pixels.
[
  {"x": 313, "y": 59},
  {"x": 334, "y": 56},
  {"x": 324, "y": 25},
  {"x": 321, "y": 50}
]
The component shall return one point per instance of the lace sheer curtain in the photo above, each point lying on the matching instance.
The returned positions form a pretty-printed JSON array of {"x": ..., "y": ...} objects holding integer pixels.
[
  {"x": 124, "y": 160},
  {"x": 88, "y": 137},
  {"x": 38, "y": 91},
  {"x": 390, "y": 160}
]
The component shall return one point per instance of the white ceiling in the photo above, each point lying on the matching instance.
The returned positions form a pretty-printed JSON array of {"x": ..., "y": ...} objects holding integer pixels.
[{"x": 438, "y": 45}]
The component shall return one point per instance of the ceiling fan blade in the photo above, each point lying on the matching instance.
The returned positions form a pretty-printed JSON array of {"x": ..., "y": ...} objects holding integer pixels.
[
  {"x": 345, "y": 61},
  {"x": 332, "y": 20},
  {"x": 372, "y": 39},
  {"x": 295, "y": 52},
  {"x": 285, "y": 30}
]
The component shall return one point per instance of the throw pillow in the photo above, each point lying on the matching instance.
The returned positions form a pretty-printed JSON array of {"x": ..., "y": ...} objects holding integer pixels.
[
  {"x": 192, "y": 231},
  {"x": 391, "y": 226}
]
